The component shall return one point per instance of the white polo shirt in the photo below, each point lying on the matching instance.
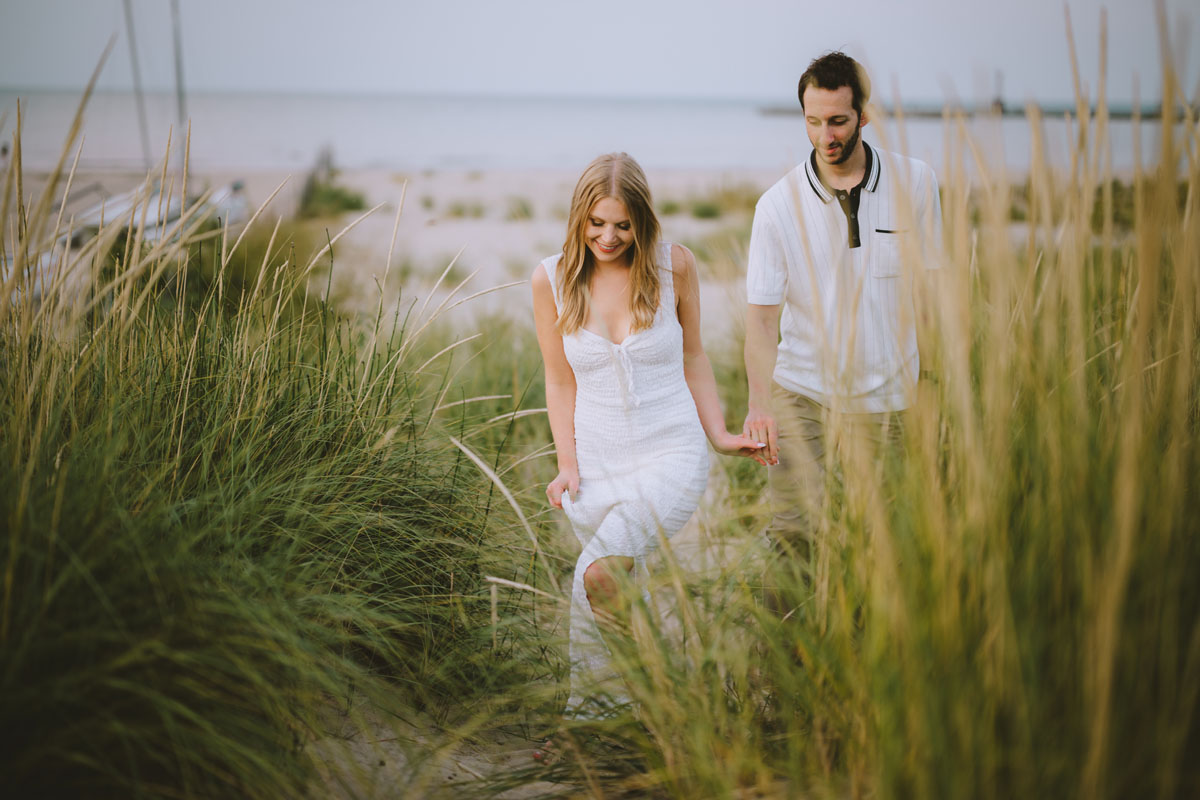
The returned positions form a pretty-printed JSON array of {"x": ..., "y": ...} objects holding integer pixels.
[{"x": 847, "y": 330}]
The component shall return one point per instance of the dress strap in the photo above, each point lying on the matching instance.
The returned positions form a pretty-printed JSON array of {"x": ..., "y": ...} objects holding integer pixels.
[
  {"x": 551, "y": 266},
  {"x": 666, "y": 277}
]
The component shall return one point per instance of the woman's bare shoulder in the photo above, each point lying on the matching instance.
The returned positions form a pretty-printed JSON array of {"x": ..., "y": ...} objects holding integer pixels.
[{"x": 682, "y": 260}]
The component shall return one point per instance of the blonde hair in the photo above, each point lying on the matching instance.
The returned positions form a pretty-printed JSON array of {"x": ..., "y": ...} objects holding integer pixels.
[{"x": 618, "y": 176}]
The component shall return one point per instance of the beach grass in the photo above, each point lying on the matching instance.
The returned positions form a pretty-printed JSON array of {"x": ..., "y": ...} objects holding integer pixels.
[
  {"x": 228, "y": 509},
  {"x": 518, "y": 209},
  {"x": 461, "y": 209},
  {"x": 329, "y": 199},
  {"x": 1006, "y": 605},
  {"x": 233, "y": 511}
]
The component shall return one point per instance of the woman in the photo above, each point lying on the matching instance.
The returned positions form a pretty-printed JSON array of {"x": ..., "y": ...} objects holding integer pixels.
[{"x": 630, "y": 396}]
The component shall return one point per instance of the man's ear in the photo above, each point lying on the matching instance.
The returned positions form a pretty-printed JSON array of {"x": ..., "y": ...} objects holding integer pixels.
[{"x": 862, "y": 118}]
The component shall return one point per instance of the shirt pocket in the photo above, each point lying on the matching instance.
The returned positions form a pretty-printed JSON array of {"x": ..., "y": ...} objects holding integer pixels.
[{"x": 886, "y": 253}]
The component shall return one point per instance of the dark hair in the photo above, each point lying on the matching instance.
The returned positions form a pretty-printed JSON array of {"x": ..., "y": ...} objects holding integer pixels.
[{"x": 833, "y": 71}]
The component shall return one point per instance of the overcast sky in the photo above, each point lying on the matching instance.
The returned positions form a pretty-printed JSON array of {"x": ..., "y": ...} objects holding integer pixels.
[{"x": 754, "y": 49}]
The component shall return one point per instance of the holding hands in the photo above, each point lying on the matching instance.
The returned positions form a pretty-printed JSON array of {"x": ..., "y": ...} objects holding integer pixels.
[
  {"x": 743, "y": 444},
  {"x": 725, "y": 443},
  {"x": 761, "y": 427}
]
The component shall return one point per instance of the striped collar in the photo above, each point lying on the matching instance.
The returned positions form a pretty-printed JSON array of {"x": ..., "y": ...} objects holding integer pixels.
[{"x": 870, "y": 180}]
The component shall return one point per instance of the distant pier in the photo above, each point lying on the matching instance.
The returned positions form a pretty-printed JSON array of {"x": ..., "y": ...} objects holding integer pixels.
[{"x": 998, "y": 108}]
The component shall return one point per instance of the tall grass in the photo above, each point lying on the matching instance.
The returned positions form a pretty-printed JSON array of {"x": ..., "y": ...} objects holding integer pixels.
[
  {"x": 226, "y": 508},
  {"x": 1008, "y": 607},
  {"x": 229, "y": 509}
]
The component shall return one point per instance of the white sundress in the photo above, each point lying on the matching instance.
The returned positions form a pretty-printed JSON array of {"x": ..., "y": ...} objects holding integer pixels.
[{"x": 643, "y": 466}]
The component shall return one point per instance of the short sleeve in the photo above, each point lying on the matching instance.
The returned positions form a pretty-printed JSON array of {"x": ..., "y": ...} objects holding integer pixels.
[{"x": 766, "y": 264}]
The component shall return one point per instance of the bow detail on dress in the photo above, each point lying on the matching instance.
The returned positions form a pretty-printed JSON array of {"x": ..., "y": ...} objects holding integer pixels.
[{"x": 629, "y": 396}]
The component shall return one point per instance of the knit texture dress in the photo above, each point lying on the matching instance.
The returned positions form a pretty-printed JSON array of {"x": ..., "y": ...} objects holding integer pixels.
[{"x": 643, "y": 466}]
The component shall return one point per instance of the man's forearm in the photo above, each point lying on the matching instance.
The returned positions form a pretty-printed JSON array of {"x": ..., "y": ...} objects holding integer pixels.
[{"x": 762, "y": 349}]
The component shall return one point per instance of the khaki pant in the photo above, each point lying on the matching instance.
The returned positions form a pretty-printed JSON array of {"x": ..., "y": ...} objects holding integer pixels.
[{"x": 812, "y": 441}]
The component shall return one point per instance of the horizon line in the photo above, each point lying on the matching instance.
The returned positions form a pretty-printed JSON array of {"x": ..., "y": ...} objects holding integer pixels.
[{"x": 769, "y": 103}]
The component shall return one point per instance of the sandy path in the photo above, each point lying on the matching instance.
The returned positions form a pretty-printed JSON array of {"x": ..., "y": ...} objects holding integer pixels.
[{"x": 500, "y": 225}]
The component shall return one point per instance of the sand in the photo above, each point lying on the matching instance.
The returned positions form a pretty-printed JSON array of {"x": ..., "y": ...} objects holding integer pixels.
[{"x": 498, "y": 224}]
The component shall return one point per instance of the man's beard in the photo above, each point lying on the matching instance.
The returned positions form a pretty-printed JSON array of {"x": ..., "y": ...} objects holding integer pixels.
[{"x": 849, "y": 147}]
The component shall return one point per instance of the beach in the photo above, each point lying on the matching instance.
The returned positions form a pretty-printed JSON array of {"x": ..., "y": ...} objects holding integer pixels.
[
  {"x": 330, "y": 488},
  {"x": 491, "y": 226},
  {"x": 276, "y": 447},
  {"x": 483, "y": 229}
]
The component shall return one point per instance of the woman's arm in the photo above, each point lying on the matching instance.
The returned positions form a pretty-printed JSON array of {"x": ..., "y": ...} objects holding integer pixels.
[
  {"x": 696, "y": 367},
  {"x": 560, "y": 388}
]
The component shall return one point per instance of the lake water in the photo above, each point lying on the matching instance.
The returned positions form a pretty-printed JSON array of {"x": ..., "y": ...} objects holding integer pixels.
[{"x": 256, "y": 131}]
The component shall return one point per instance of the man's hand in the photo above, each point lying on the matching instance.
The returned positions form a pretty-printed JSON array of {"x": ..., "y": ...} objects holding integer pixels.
[{"x": 761, "y": 427}]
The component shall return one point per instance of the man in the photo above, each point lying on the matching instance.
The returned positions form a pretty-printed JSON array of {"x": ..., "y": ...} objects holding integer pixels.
[{"x": 836, "y": 261}]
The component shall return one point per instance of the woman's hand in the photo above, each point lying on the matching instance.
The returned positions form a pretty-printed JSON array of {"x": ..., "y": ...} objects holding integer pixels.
[
  {"x": 566, "y": 480},
  {"x": 739, "y": 444}
]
